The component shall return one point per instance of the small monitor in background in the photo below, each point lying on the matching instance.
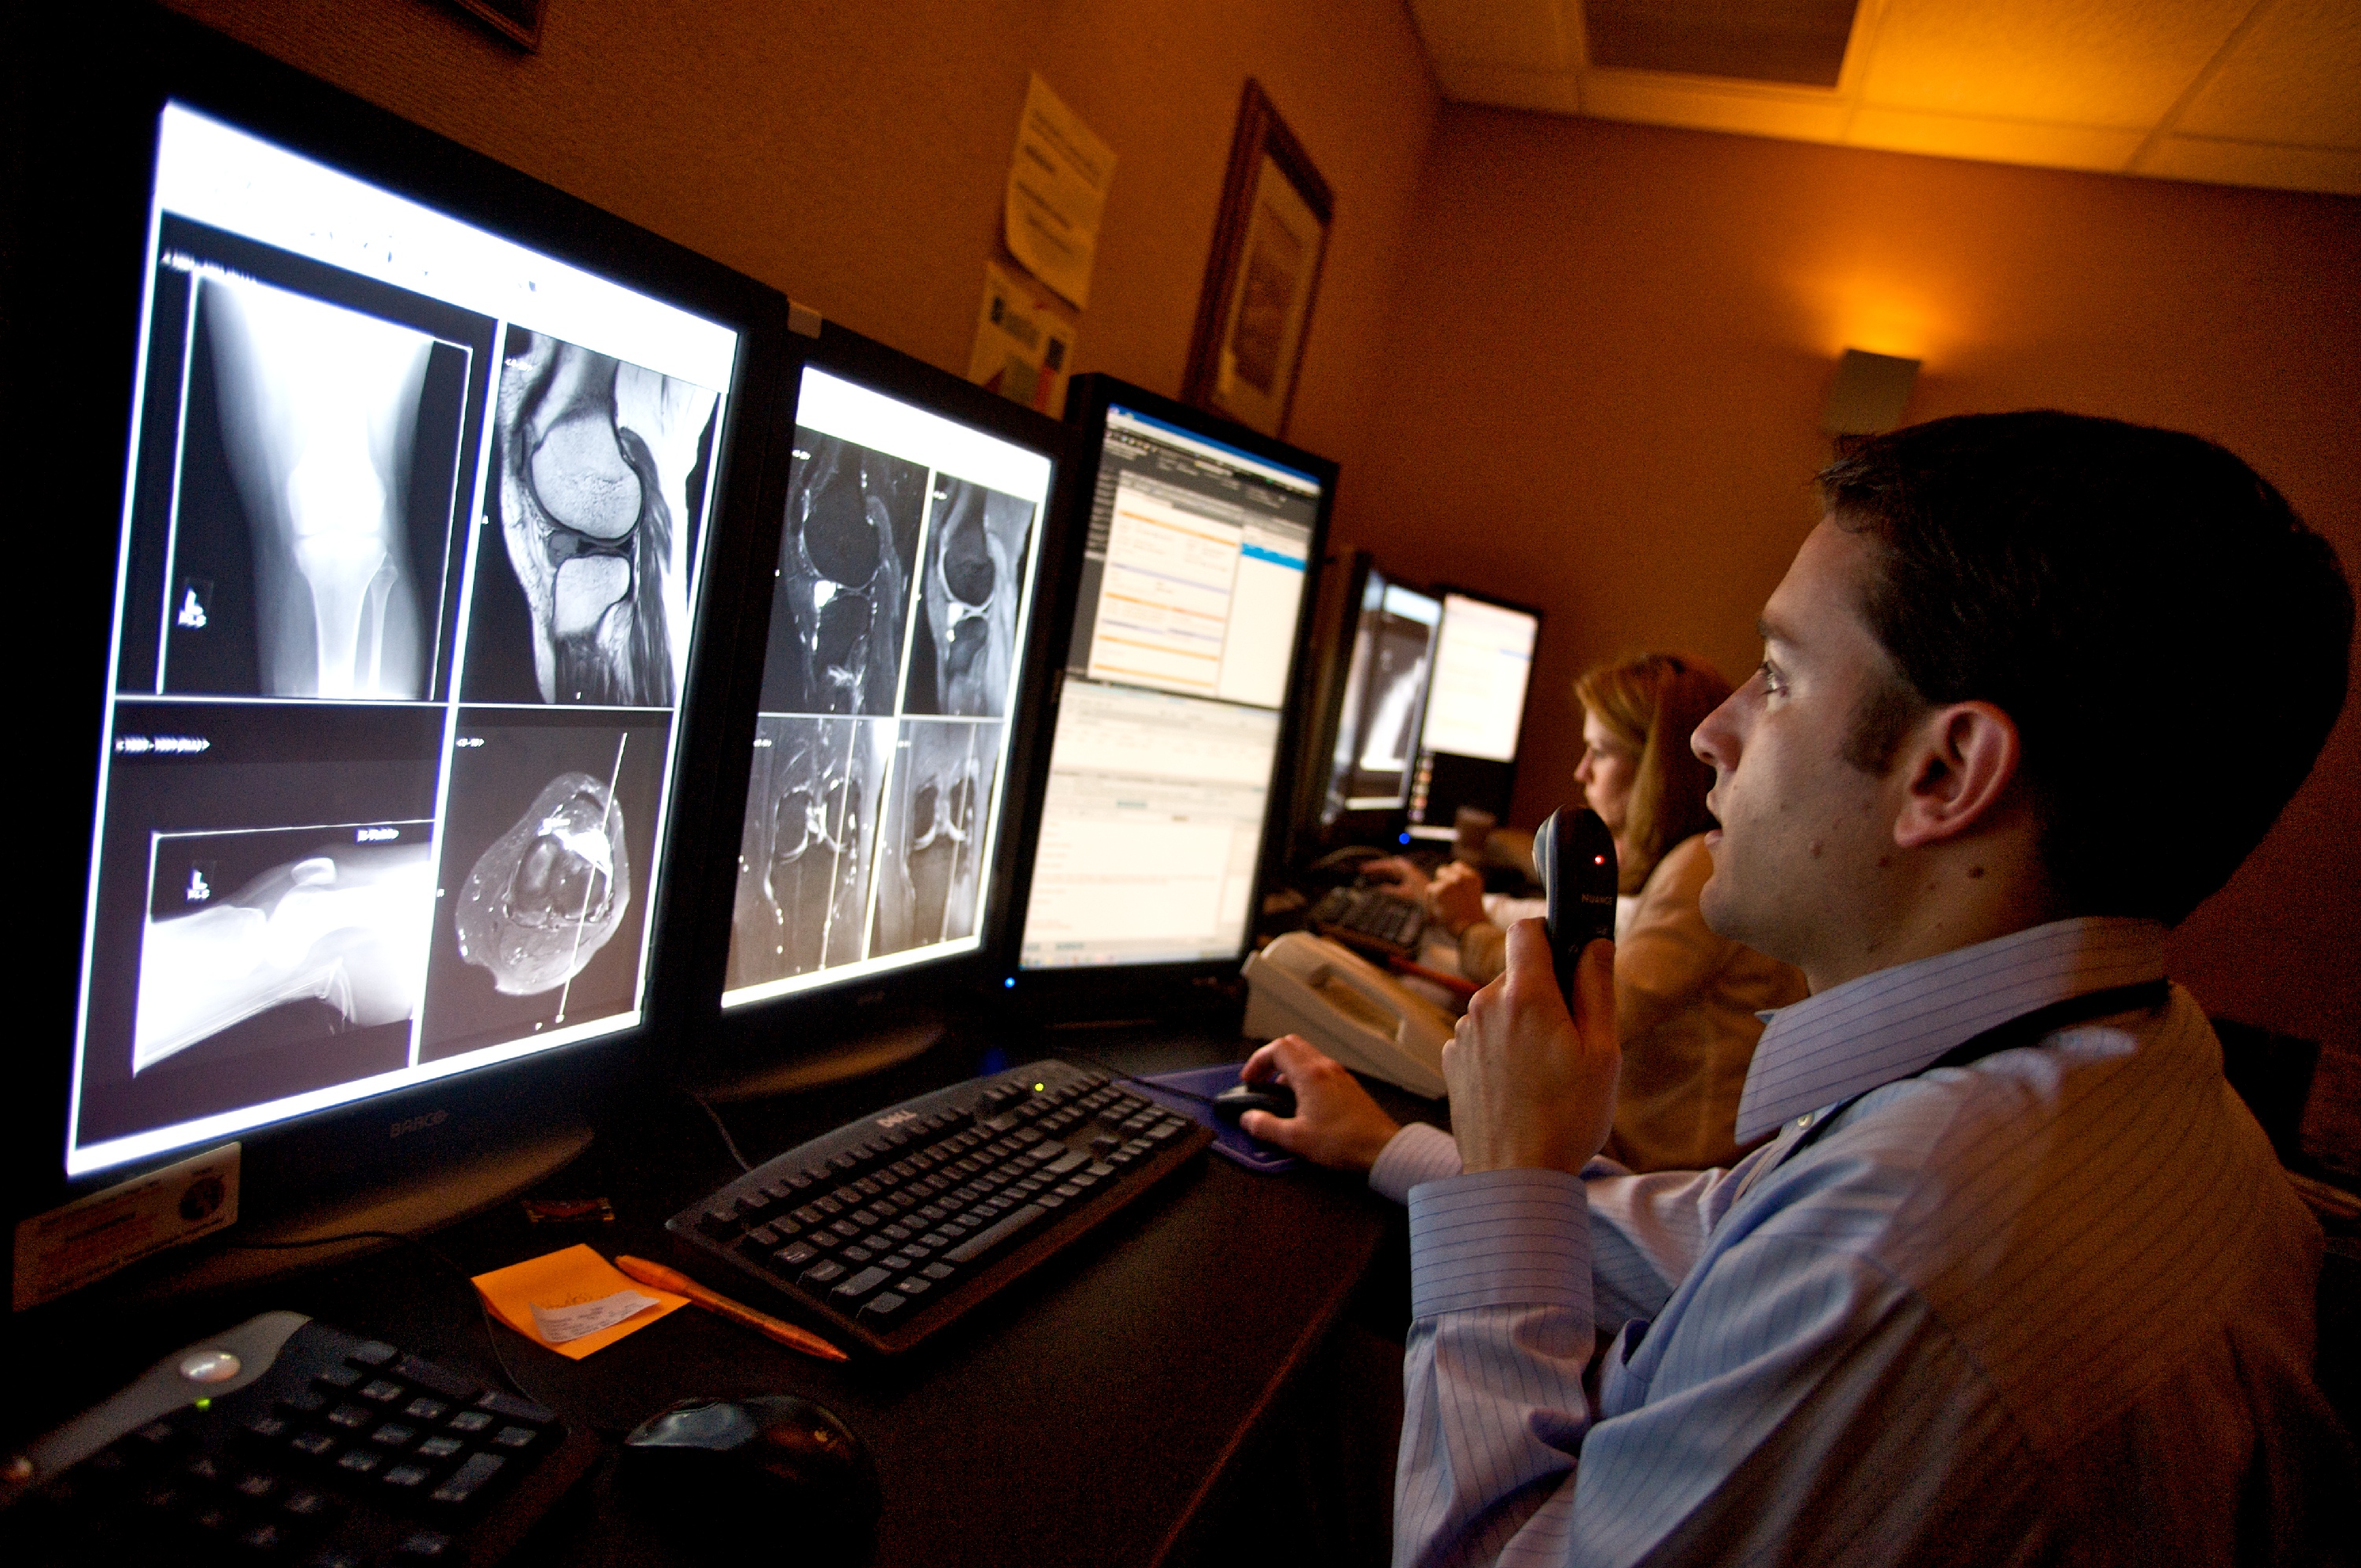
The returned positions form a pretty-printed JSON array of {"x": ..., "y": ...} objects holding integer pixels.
[
  {"x": 1385, "y": 700},
  {"x": 1475, "y": 712},
  {"x": 1173, "y": 726},
  {"x": 907, "y": 566}
]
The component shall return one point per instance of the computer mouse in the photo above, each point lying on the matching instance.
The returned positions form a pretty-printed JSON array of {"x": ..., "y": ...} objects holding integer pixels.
[
  {"x": 1240, "y": 1098},
  {"x": 765, "y": 1458}
]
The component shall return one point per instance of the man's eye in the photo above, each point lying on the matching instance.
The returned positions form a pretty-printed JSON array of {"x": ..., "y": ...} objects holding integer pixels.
[{"x": 1772, "y": 680}]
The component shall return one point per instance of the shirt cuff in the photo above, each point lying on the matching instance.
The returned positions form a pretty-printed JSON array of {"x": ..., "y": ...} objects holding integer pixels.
[
  {"x": 1499, "y": 1238},
  {"x": 1419, "y": 1152}
]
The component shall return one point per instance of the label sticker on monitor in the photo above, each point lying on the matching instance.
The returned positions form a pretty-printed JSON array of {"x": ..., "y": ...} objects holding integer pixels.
[{"x": 69, "y": 1247}]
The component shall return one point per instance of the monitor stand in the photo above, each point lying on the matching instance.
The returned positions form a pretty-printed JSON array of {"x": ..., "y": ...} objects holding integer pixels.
[{"x": 269, "y": 1247}]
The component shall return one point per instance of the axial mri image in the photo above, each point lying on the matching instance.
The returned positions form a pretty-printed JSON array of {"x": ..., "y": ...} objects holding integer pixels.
[
  {"x": 810, "y": 840},
  {"x": 596, "y": 458},
  {"x": 965, "y": 643},
  {"x": 549, "y": 893},
  {"x": 845, "y": 558},
  {"x": 930, "y": 853}
]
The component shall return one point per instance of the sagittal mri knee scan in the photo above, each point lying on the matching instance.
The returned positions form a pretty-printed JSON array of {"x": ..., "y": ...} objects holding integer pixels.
[
  {"x": 895, "y": 649},
  {"x": 595, "y": 459}
]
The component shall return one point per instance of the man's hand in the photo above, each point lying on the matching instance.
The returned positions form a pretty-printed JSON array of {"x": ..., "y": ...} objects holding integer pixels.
[
  {"x": 1457, "y": 896},
  {"x": 1336, "y": 1122},
  {"x": 1395, "y": 876},
  {"x": 1531, "y": 1087}
]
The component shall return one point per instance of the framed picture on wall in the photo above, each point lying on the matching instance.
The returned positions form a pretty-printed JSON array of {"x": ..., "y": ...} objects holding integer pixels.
[{"x": 1263, "y": 275}]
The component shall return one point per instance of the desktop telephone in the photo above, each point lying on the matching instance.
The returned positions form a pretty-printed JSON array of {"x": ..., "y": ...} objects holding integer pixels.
[{"x": 1307, "y": 985}]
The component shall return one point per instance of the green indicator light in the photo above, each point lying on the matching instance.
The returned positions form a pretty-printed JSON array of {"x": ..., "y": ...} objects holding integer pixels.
[
  {"x": 1039, "y": 1087},
  {"x": 204, "y": 1404}
]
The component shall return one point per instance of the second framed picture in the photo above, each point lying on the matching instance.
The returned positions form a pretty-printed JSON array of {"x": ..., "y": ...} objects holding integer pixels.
[{"x": 1263, "y": 275}]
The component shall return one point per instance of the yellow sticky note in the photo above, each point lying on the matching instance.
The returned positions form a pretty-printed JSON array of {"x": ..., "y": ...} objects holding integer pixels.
[{"x": 573, "y": 1277}]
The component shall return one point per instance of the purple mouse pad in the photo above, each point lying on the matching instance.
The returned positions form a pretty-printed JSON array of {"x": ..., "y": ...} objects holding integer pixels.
[{"x": 1191, "y": 1093}]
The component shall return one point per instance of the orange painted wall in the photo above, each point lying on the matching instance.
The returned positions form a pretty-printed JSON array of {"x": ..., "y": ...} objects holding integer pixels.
[
  {"x": 1614, "y": 342},
  {"x": 855, "y": 155}
]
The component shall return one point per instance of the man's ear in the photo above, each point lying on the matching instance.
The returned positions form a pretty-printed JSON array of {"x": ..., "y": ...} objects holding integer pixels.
[{"x": 1956, "y": 766}]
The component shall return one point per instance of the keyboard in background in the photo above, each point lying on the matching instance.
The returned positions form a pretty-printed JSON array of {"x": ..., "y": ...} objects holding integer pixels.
[
  {"x": 1371, "y": 919},
  {"x": 285, "y": 1441},
  {"x": 890, "y": 1228}
]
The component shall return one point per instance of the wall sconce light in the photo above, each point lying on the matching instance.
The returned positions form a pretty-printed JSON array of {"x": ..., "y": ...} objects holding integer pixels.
[{"x": 1869, "y": 393}]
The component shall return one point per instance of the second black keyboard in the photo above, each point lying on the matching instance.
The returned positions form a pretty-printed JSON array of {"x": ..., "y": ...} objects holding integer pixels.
[
  {"x": 1371, "y": 918},
  {"x": 889, "y": 1228}
]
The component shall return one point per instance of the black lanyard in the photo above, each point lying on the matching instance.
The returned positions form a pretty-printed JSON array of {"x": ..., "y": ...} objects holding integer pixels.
[{"x": 2022, "y": 1030}]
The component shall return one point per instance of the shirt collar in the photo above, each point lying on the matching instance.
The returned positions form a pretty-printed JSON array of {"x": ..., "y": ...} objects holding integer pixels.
[{"x": 1896, "y": 1022}]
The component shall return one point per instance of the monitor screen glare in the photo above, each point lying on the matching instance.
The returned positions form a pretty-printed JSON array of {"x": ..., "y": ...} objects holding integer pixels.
[
  {"x": 1482, "y": 661},
  {"x": 1384, "y": 697},
  {"x": 907, "y": 563},
  {"x": 412, "y": 526},
  {"x": 1168, "y": 726}
]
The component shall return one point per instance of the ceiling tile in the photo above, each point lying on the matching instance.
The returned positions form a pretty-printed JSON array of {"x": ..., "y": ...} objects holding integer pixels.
[
  {"x": 1554, "y": 92},
  {"x": 2252, "y": 163},
  {"x": 1643, "y": 98},
  {"x": 1994, "y": 141},
  {"x": 2089, "y": 62},
  {"x": 1531, "y": 35},
  {"x": 1800, "y": 41},
  {"x": 2295, "y": 77}
]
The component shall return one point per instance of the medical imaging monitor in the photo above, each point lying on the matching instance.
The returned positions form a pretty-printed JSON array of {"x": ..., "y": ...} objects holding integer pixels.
[
  {"x": 1384, "y": 701},
  {"x": 1173, "y": 726},
  {"x": 905, "y": 575},
  {"x": 409, "y": 529},
  {"x": 1466, "y": 752}
]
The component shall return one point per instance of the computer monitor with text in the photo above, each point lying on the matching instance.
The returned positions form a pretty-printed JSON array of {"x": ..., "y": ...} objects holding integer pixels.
[{"x": 1475, "y": 709}]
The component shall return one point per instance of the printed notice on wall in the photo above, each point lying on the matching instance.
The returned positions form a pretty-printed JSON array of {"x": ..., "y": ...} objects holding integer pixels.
[
  {"x": 1057, "y": 191},
  {"x": 1022, "y": 346}
]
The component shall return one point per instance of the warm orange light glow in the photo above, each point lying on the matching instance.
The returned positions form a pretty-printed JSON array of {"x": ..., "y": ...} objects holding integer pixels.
[{"x": 1884, "y": 314}]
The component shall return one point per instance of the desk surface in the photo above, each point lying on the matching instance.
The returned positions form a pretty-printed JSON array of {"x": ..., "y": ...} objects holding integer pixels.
[{"x": 1087, "y": 1416}]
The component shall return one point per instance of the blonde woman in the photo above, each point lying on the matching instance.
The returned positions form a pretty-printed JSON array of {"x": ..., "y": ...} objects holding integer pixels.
[{"x": 1684, "y": 998}]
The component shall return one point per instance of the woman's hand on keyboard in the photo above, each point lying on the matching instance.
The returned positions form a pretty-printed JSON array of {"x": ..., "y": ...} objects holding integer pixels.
[{"x": 1336, "y": 1122}]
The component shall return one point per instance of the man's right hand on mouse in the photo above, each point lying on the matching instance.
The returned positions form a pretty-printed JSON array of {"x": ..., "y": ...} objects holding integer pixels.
[{"x": 1336, "y": 1122}]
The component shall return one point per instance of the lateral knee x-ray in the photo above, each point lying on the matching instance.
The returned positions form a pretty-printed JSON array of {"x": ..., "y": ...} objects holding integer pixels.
[
  {"x": 595, "y": 457},
  {"x": 845, "y": 559},
  {"x": 548, "y": 893},
  {"x": 318, "y": 406},
  {"x": 345, "y": 925}
]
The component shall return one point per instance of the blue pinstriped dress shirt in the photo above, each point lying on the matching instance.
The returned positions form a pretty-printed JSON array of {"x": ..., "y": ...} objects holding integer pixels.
[{"x": 2055, "y": 1306}]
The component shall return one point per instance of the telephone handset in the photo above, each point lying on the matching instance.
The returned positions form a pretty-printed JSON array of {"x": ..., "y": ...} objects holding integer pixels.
[
  {"x": 1575, "y": 856},
  {"x": 1307, "y": 985}
]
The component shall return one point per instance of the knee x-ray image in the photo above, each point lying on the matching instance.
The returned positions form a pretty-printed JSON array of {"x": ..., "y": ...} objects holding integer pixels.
[
  {"x": 965, "y": 648},
  {"x": 346, "y": 924},
  {"x": 318, "y": 408},
  {"x": 594, "y": 459},
  {"x": 810, "y": 841},
  {"x": 845, "y": 559},
  {"x": 930, "y": 851},
  {"x": 550, "y": 892}
]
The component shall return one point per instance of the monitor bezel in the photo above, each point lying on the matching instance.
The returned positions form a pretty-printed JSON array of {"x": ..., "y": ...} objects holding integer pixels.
[
  {"x": 82, "y": 211},
  {"x": 1107, "y": 991},
  {"x": 810, "y": 1038}
]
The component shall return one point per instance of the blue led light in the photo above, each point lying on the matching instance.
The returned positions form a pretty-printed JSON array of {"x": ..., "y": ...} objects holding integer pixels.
[{"x": 1008, "y": 984}]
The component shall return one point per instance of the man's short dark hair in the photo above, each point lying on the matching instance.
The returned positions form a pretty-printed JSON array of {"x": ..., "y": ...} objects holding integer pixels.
[{"x": 2126, "y": 595}]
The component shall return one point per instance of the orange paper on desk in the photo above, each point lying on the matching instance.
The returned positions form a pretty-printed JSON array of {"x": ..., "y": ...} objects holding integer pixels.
[{"x": 568, "y": 1278}]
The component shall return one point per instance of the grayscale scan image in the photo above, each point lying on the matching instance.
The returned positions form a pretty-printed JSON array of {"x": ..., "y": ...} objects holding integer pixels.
[
  {"x": 340, "y": 921},
  {"x": 602, "y": 467},
  {"x": 964, "y": 649},
  {"x": 549, "y": 893},
  {"x": 805, "y": 861},
  {"x": 930, "y": 850},
  {"x": 316, "y": 409},
  {"x": 846, "y": 553}
]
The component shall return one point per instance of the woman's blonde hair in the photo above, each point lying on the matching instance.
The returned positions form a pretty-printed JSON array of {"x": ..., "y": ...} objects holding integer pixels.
[{"x": 1652, "y": 703}]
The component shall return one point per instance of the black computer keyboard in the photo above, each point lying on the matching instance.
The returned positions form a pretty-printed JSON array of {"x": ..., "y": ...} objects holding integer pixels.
[
  {"x": 889, "y": 1228},
  {"x": 285, "y": 1441},
  {"x": 1369, "y": 917}
]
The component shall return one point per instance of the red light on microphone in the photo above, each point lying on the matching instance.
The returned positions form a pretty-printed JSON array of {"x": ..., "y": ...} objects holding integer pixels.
[{"x": 1598, "y": 860}]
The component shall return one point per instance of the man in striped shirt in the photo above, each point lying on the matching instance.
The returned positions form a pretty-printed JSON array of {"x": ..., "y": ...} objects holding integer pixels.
[{"x": 2019, "y": 1281}]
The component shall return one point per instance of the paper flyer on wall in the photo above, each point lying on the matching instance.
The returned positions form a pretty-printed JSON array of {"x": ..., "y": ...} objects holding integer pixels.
[
  {"x": 1024, "y": 346},
  {"x": 1057, "y": 192}
]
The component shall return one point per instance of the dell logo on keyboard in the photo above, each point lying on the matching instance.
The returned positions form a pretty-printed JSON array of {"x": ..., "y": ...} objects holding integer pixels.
[{"x": 898, "y": 1118}]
